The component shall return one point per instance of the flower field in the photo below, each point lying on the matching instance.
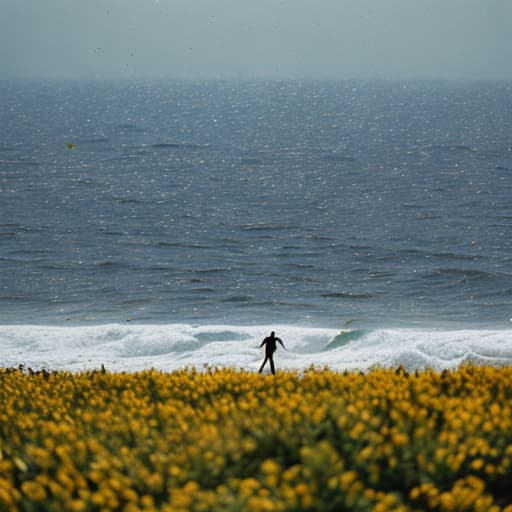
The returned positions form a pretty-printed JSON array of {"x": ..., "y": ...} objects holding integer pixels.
[{"x": 229, "y": 440}]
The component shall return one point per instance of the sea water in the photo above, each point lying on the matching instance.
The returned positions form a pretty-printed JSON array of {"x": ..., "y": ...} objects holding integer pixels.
[{"x": 176, "y": 224}]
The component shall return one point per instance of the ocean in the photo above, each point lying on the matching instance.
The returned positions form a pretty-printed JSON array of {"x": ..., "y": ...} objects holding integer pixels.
[{"x": 175, "y": 224}]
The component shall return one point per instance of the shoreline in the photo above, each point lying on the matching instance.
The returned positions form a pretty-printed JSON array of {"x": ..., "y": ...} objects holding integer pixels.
[{"x": 169, "y": 347}]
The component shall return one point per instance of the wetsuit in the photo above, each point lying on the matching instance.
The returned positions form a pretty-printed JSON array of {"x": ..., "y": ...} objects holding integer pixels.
[{"x": 270, "y": 348}]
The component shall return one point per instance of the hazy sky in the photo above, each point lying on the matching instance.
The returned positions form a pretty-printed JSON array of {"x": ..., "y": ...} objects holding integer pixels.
[{"x": 256, "y": 39}]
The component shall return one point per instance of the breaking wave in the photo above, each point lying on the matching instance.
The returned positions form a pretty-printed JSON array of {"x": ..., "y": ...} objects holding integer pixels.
[{"x": 129, "y": 347}]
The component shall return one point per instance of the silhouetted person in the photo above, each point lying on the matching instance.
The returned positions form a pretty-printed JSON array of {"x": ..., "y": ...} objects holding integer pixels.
[{"x": 270, "y": 348}]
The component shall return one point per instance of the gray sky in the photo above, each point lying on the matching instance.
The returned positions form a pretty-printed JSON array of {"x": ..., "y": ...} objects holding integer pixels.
[{"x": 201, "y": 39}]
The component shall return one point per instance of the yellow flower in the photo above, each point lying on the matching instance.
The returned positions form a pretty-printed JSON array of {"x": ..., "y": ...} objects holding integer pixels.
[
  {"x": 301, "y": 488},
  {"x": 347, "y": 478},
  {"x": 155, "y": 482},
  {"x": 270, "y": 467},
  {"x": 191, "y": 439},
  {"x": 415, "y": 493},
  {"x": 77, "y": 505},
  {"x": 33, "y": 490},
  {"x": 477, "y": 464}
]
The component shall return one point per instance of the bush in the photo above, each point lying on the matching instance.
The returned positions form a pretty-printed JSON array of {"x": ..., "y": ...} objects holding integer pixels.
[{"x": 232, "y": 440}]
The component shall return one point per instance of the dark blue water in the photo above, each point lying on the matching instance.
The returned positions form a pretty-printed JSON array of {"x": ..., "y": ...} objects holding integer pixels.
[{"x": 222, "y": 202}]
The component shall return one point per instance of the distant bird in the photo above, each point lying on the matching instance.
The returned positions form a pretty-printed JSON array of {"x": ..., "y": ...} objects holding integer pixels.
[{"x": 70, "y": 145}]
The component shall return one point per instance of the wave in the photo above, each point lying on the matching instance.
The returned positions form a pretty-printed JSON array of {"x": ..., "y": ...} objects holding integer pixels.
[
  {"x": 345, "y": 337},
  {"x": 130, "y": 347},
  {"x": 239, "y": 299},
  {"x": 346, "y": 295},
  {"x": 177, "y": 145},
  {"x": 261, "y": 226},
  {"x": 131, "y": 128},
  {"x": 21, "y": 163},
  {"x": 447, "y": 255},
  {"x": 337, "y": 157},
  {"x": 465, "y": 275},
  {"x": 451, "y": 147},
  {"x": 186, "y": 245}
]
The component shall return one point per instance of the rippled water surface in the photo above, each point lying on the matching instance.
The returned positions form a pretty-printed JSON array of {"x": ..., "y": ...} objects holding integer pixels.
[{"x": 381, "y": 203}]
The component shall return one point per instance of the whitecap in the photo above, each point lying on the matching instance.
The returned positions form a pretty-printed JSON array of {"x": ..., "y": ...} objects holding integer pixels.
[{"x": 170, "y": 347}]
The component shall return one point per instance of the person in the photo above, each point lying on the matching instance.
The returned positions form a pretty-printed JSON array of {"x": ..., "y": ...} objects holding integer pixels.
[{"x": 270, "y": 348}]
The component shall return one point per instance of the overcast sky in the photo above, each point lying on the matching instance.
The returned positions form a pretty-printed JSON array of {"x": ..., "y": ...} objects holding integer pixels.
[{"x": 202, "y": 39}]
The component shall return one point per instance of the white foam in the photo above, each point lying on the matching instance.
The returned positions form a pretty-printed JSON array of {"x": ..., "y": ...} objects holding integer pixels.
[{"x": 169, "y": 347}]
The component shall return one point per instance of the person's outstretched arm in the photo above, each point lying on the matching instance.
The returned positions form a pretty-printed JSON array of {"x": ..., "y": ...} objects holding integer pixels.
[
  {"x": 281, "y": 342},
  {"x": 263, "y": 342}
]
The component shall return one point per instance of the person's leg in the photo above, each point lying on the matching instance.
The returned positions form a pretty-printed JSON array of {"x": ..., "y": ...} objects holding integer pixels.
[
  {"x": 272, "y": 365},
  {"x": 264, "y": 361}
]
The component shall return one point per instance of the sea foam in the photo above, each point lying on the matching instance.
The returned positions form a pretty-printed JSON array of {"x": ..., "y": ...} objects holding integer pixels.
[{"x": 129, "y": 347}]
